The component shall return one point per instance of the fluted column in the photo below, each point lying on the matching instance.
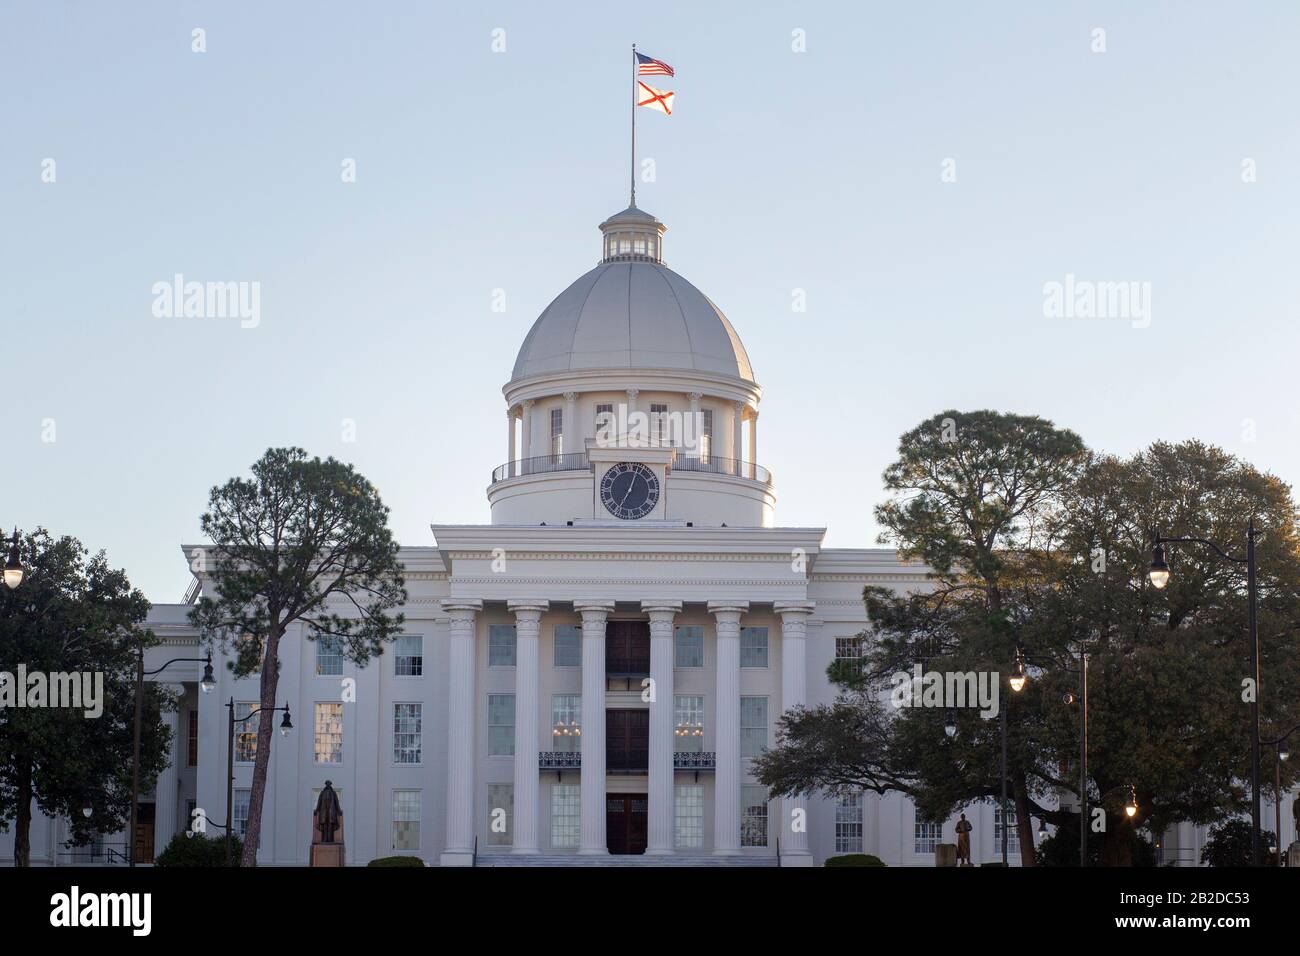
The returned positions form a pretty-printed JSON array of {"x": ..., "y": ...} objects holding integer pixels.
[
  {"x": 165, "y": 791},
  {"x": 660, "y": 830},
  {"x": 528, "y": 624},
  {"x": 510, "y": 427},
  {"x": 753, "y": 444},
  {"x": 726, "y": 790},
  {"x": 737, "y": 435},
  {"x": 794, "y": 693},
  {"x": 592, "y": 779},
  {"x": 526, "y": 430},
  {"x": 459, "y": 848}
]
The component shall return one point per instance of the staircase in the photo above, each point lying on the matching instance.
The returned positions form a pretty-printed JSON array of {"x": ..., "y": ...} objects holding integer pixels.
[{"x": 621, "y": 860}]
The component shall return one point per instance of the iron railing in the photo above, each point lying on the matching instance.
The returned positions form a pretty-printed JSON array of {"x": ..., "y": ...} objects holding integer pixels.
[
  {"x": 578, "y": 461},
  {"x": 559, "y": 760},
  {"x": 698, "y": 760}
]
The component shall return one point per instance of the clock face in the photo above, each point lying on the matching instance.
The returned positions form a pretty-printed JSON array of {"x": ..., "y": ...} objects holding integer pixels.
[{"x": 629, "y": 490}]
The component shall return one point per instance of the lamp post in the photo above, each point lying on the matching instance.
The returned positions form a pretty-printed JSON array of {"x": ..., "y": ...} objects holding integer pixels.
[
  {"x": 286, "y": 725},
  {"x": 207, "y": 683},
  {"x": 1159, "y": 575},
  {"x": 1280, "y": 753},
  {"x": 1017, "y": 680},
  {"x": 13, "y": 567}
]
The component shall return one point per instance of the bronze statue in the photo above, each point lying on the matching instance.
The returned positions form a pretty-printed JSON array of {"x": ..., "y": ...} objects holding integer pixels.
[
  {"x": 328, "y": 813},
  {"x": 963, "y": 841}
]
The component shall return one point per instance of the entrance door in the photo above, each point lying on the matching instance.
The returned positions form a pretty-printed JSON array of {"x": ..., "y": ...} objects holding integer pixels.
[
  {"x": 626, "y": 821},
  {"x": 627, "y": 649},
  {"x": 144, "y": 822},
  {"x": 627, "y": 741}
]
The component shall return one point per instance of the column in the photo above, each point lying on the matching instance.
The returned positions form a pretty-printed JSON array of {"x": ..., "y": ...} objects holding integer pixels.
[
  {"x": 753, "y": 444},
  {"x": 737, "y": 435},
  {"x": 662, "y": 737},
  {"x": 726, "y": 788},
  {"x": 592, "y": 779},
  {"x": 164, "y": 796},
  {"x": 632, "y": 394},
  {"x": 695, "y": 430},
  {"x": 461, "y": 696},
  {"x": 526, "y": 432},
  {"x": 794, "y": 693},
  {"x": 569, "y": 427},
  {"x": 528, "y": 624},
  {"x": 510, "y": 427}
]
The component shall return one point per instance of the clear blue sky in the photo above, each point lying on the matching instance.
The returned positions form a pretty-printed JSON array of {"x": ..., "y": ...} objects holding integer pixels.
[{"x": 476, "y": 171}]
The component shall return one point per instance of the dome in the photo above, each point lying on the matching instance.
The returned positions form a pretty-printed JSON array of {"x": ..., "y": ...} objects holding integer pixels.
[{"x": 632, "y": 311}]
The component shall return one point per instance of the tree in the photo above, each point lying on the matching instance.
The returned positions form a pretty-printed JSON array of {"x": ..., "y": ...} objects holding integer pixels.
[
  {"x": 1229, "y": 844},
  {"x": 77, "y": 616},
  {"x": 1062, "y": 572},
  {"x": 304, "y": 541}
]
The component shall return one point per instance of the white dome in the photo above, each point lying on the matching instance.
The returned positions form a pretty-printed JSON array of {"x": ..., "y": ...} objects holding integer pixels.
[{"x": 631, "y": 311}]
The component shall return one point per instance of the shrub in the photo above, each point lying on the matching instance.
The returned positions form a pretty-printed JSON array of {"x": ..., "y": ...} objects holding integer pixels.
[
  {"x": 396, "y": 861},
  {"x": 198, "y": 850},
  {"x": 855, "y": 859}
]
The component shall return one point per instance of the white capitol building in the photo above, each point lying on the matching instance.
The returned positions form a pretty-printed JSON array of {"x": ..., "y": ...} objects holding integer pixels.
[{"x": 633, "y": 535}]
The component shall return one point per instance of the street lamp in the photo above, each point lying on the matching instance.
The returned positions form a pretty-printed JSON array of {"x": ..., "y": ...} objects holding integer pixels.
[
  {"x": 286, "y": 725},
  {"x": 140, "y": 673},
  {"x": 1281, "y": 753},
  {"x": 1159, "y": 575},
  {"x": 13, "y": 566}
]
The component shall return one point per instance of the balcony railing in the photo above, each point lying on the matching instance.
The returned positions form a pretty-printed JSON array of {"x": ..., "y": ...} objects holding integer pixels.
[
  {"x": 559, "y": 760},
  {"x": 575, "y": 461},
  {"x": 578, "y": 461},
  {"x": 714, "y": 465},
  {"x": 697, "y": 760}
]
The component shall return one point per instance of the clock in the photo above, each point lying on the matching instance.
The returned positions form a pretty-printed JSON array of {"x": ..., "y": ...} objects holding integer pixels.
[{"x": 629, "y": 490}]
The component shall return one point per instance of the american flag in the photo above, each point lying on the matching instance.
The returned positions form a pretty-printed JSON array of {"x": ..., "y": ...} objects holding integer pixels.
[{"x": 649, "y": 66}]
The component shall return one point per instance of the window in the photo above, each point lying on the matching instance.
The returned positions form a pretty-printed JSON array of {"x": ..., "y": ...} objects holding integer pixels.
[
  {"x": 501, "y": 814},
  {"x": 557, "y": 431},
  {"x": 658, "y": 424},
  {"x": 753, "y": 647},
  {"x": 406, "y": 820},
  {"x": 246, "y": 732},
  {"x": 706, "y": 434},
  {"x": 568, "y": 645},
  {"x": 408, "y": 720},
  {"x": 566, "y": 723},
  {"x": 409, "y": 660},
  {"x": 848, "y": 823},
  {"x": 239, "y": 811},
  {"x": 192, "y": 750},
  {"x": 605, "y": 425},
  {"x": 689, "y": 643},
  {"x": 501, "y": 645},
  {"x": 1013, "y": 834},
  {"x": 927, "y": 836},
  {"x": 501, "y": 725},
  {"x": 565, "y": 809},
  {"x": 753, "y": 815},
  {"x": 753, "y": 726},
  {"x": 849, "y": 648},
  {"x": 329, "y": 733},
  {"x": 688, "y": 810},
  {"x": 688, "y": 724},
  {"x": 329, "y": 657}
]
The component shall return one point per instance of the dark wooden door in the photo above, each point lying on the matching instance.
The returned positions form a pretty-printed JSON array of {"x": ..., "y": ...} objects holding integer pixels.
[
  {"x": 627, "y": 741},
  {"x": 627, "y": 649},
  {"x": 142, "y": 846},
  {"x": 626, "y": 822}
]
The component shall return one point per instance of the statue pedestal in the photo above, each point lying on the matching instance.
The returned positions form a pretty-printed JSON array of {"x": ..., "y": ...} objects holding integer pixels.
[
  {"x": 945, "y": 854},
  {"x": 327, "y": 854},
  {"x": 1293, "y": 855}
]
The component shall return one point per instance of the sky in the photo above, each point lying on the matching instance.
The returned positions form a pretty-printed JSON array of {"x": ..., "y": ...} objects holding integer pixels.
[{"x": 917, "y": 174}]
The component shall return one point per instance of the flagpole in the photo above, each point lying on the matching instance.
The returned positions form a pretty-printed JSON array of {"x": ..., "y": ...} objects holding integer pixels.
[{"x": 633, "y": 177}]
